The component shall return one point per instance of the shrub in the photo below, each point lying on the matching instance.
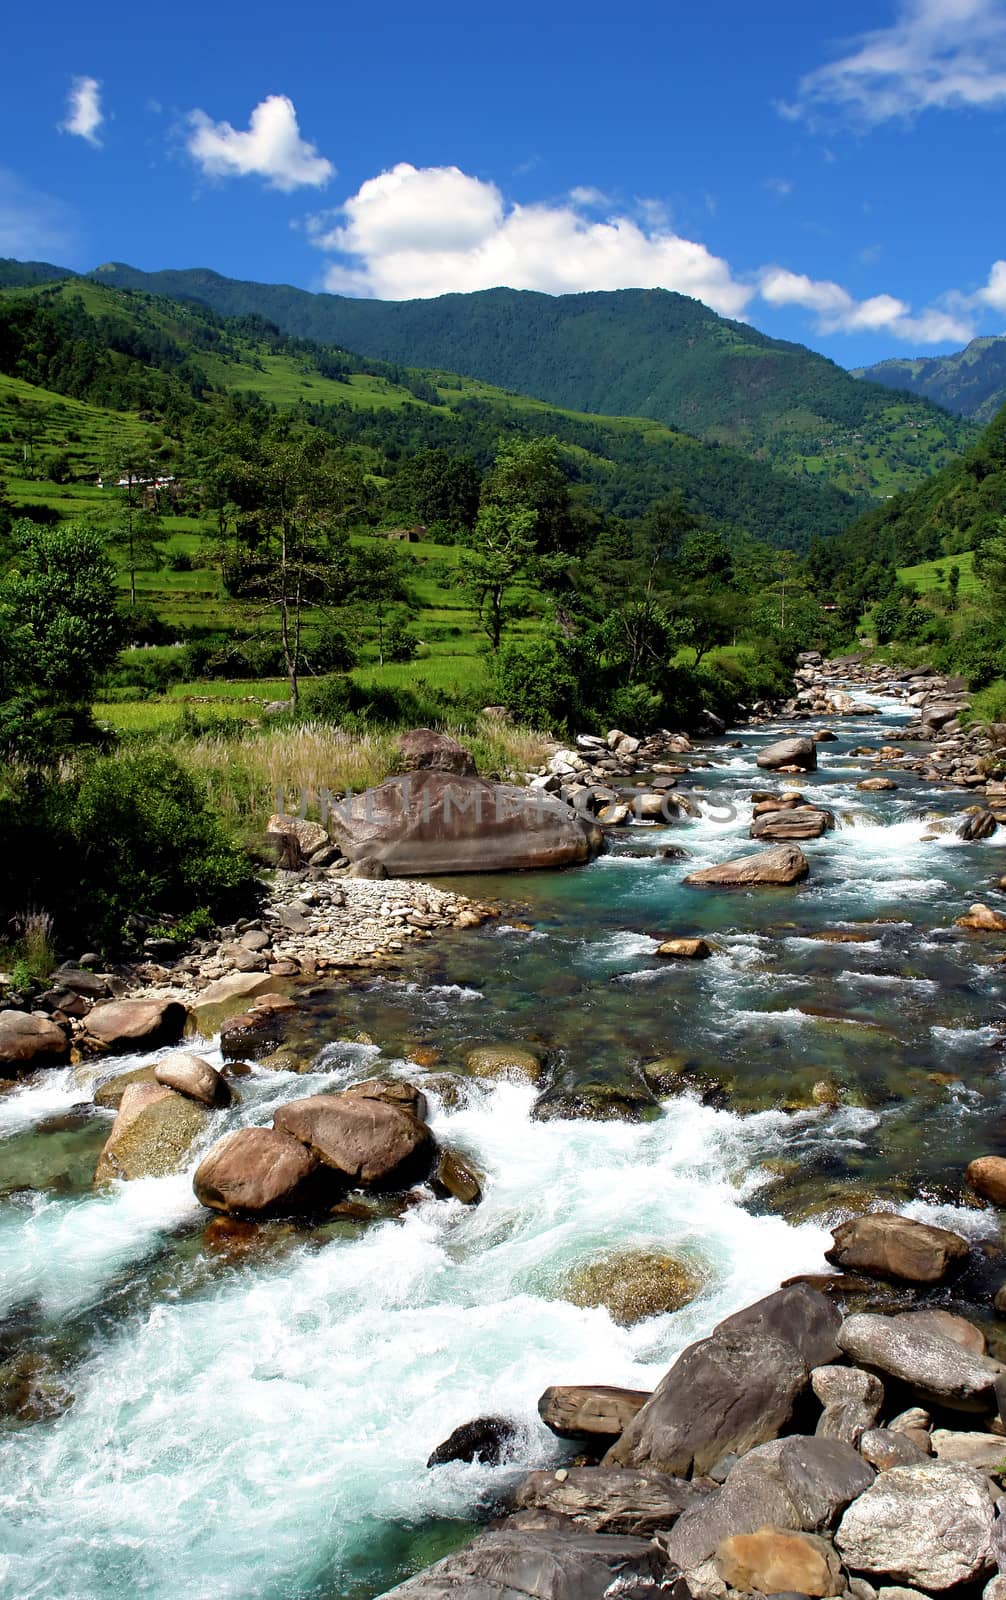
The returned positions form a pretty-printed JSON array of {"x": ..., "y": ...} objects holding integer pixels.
[{"x": 537, "y": 685}]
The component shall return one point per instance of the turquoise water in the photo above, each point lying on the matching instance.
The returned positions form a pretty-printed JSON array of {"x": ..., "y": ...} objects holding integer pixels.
[{"x": 254, "y": 1420}]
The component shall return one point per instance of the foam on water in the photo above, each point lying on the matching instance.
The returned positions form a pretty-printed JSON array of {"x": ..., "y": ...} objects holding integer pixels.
[{"x": 239, "y": 1441}]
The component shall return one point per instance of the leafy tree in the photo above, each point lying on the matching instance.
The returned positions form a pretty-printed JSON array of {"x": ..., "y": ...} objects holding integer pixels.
[
  {"x": 436, "y": 487},
  {"x": 502, "y": 554},
  {"x": 377, "y": 576},
  {"x": 136, "y": 530},
  {"x": 527, "y": 475}
]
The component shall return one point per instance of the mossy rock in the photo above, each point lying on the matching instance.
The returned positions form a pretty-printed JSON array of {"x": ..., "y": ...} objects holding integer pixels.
[
  {"x": 635, "y": 1285},
  {"x": 512, "y": 1063},
  {"x": 617, "y": 1099},
  {"x": 679, "y": 1074},
  {"x": 152, "y": 1135}
]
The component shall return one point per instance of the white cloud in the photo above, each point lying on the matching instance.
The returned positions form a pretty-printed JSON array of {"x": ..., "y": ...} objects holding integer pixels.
[
  {"x": 271, "y": 148},
  {"x": 33, "y": 225},
  {"x": 416, "y": 232},
  {"x": 838, "y": 311},
  {"x": 937, "y": 55},
  {"x": 84, "y": 115},
  {"x": 782, "y": 188},
  {"x": 994, "y": 292}
]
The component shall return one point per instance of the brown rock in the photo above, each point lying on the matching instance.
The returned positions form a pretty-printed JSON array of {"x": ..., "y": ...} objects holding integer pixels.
[
  {"x": 454, "y": 1179},
  {"x": 422, "y": 748},
  {"x": 27, "y": 1041},
  {"x": 109, "y": 1094},
  {"x": 393, "y": 1091},
  {"x": 987, "y": 1174},
  {"x": 589, "y": 1411},
  {"x": 194, "y": 1077},
  {"x": 797, "y": 822},
  {"x": 295, "y": 838},
  {"x": 122, "y": 1025},
  {"x": 887, "y": 1245},
  {"x": 784, "y": 864},
  {"x": 957, "y": 1329},
  {"x": 876, "y": 785},
  {"x": 261, "y": 1172},
  {"x": 259, "y": 1031},
  {"x": 368, "y": 1142},
  {"x": 512, "y": 1062},
  {"x": 686, "y": 949},
  {"x": 152, "y": 1135},
  {"x": 775, "y": 1561},
  {"x": 982, "y": 919},
  {"x": 226, "y": 997},
  {"x": 608, "y": 1499}
]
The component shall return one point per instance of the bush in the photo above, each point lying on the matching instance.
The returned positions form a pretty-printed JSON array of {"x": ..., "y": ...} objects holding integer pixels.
[
  {"x": 978, "y": 653},
  {"x": 180, "y": 561},
  {"x": 537, "y": 685},
  {"x": 333, "y": 650}
]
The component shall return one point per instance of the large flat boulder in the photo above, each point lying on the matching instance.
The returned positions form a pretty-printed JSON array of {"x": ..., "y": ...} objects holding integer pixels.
[
  {"x": 27, "y": 1041},
  {"x": 260, "y": 1172},
  {"x": 370, "y": 1143},
  {"x": 797, "y": 1483},
  {"x": 784, "y": 863},
  {"x": 152, "y": 1135},
  {"x": 589, "y": 1410},
  {"x": 799, "y": 752},
  {"x": 934, "y": 1367},
  {"x": 734, "y": 1390},
  {"x": 541, "y": 1564},
  {"x": 928, "y": 1525},
  {"x": 610, "y": 1499},
  {"x": 887, "y": 1245},
  {"x": 122, "y": 1025},
  {"x": 431, "y": 821}
]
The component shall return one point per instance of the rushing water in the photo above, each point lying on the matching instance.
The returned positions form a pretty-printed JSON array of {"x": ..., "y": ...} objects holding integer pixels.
[{"x": 255, "y": 1419}]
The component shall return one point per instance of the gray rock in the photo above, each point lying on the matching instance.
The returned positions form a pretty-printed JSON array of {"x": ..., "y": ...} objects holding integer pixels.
[
  {"x": 852, "y": 1400},
  {"x": 933, "y": 1367},
  {"x": 928, "y": 1525},
  {"x": 545, "y": 1564},
  {"x": 986, "y": 1452},
  {"x": 589, "y": 1411},
  {"x": 799, "y": 752},
  {"x": 735, "y": 1389},
  {"x": 885, "y": 1449},
  {"x": 798, "y": 1483},
  {"x": 610, "y": 1499}
]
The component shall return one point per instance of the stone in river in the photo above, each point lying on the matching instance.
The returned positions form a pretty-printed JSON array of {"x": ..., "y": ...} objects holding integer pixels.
[
  {"x": 796, "y": 822},
  {"x": 987, "y": 1174},
  {"x": 511, "y": 1062},
  {"x": 982, "y": 919},
  {"x": 876, "y": 785},
  {"x": 609, "y": 1499},
  {"x": 891, "y": 1246},
  {"x": 369, "y": 1142},
  {"x": 225, "y": 997},
  {"x": 634, "y": 1285},
  {"x": 513, "y": 1563},
  {"x": 590, "y": 1411},
  {"x": 393, "y": 1091},
  {"x": 798, "y": 753},
  {"x": 260, "y": 1172},
  {"x": 933, "y": 1367},
  {"x": 153, "y": 1132},
  {"x": 775, "y": 1561},
  {"x": 927, "y": 1525},
  {"x": 734, "y": 1389},
  {"x": 258, "y": 1032},
  {"x": 784, "y": 864},
  {"x": 194, "y": 1077},
  {"x": 454, "y": 1179},
  {"x": 958, "y": 1329},
  {"x": 109, "y": 1094},
  {"x": 27, "y": 1041},
  {"x": 127, "y": 1024},
  {"x": 438, "y": 822},
  {"x": 686, "y": 949},
  {"x": 487, "y": 1439}
]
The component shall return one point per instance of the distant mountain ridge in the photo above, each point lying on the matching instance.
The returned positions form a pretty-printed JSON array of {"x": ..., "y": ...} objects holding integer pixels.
[{"x": 970, "y": 382}]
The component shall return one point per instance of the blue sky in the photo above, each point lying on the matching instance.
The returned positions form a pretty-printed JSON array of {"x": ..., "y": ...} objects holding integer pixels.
[{"x": 832, "y": 173}]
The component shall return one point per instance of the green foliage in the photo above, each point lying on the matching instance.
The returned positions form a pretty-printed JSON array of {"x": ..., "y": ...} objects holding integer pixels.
[
  {"x": 538, "y": 684},
  {"x": 501, "y": 555}
]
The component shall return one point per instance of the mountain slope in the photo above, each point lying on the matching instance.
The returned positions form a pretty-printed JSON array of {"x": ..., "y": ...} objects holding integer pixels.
[
  {"x": 628, "y": 352},
  {"x": 970, "y": 382},
  {"x": 173, "y": 362}
]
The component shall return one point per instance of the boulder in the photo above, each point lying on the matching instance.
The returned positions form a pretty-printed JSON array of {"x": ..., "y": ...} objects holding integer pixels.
[
  {"x": 368, "y": 1142},
  {"x": 634, "y": 1285},
  {"x": 454, "y": 1179},
  {"x": 589, "y": 1411},
  {"x": 986, "y": 1452},
  {"x": 884, "y": 1449},
  {"x": 262, "y": 1173},
  {"x": 795, "y": 822},
  {"x": 620, "y": 1097},
  {"x": 927, "y": 1525},
  {"x": 785, "y": 863},
  {"x": 295, "y": 839},
  {"x": 851, "y": 1400},
  {"x": 735, "y": 1389},
  {"x": 686, "y": 949},
  {"x": 609, "y": 1499},
  {"x": 796, "y": 1483},
  {"x": 487, "y": 1439},
  {"x": 876, "y": 785},
  {"x": 513, "y": 1062},
  {"x": 393, "y": 1091},
  {"x": 887, "y": 1245},
  {"x": 774, "y": 1561},
  {"x": 225, "y": 997},
  {"x": 423, "y": 749},
  {"x": 958, "y": 1329},
  {"x": 438, "y": 822},
  {"x": 982, "y": 919},
  {"x": 109, "y": 1094},
  {"x": 28, "y": 1041},
  {"x": 800, "y": 752},
  {"x": 931, "y": 1365},
  {"x": 513, "y": 1563},
  {"x": 259, "y": 1031},
  {"x": 152, "y": 1135},
  {"x": 987, "y": 1174},
  {"x": 122, "y": 1025},
  {"x": 194, "y": 1077}
]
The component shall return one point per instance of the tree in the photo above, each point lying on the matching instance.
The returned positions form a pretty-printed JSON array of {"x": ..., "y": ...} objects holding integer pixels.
[
  {"x": 378, "y": 578},
  {"x": 435, "y": 486},
  {"x": 136, "y": 530},
  {"x": 527, "y": 475},
  {"x": 59, "y": 629},
  {"x": 502, "y": 553}
]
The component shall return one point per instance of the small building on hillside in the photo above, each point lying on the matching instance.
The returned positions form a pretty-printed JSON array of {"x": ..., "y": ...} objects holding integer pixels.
[{"x": 406, "y": 535}]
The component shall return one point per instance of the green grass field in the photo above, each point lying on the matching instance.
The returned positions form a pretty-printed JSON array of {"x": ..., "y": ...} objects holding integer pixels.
[{"x": 930, "y": 577}]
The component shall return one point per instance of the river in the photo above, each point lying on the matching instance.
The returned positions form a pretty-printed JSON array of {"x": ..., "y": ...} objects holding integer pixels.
[{"x": 255, "y": 1420}]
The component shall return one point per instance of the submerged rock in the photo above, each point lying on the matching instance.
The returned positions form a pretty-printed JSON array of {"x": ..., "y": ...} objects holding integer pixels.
[
  {"x": 926, "y": 1525},
  {"x": 487, "y": 1439},
  {"x": 634, "y": 1285},
  {"x": 258, "y": 1032},
  {"x": 784, "y": 864},
  {"x": 590, "y": 1411},
  {"x": 620, "y": 1098},
  {"x": 227, "y": 996},
  {"x": 511, "y": 1062},
  {"x": 152, "y": 1135}
]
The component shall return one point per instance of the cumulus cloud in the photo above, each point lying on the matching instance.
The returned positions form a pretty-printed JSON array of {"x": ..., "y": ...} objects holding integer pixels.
[
  {"x": 414, "y": 232},
  {"x": 84, "y": 115},
  {"x": 994, "y": 292},
  {"x": 838, "y": 311},
  {"x": 271, "y": 148},
  {"x": 937, "y": 55}
]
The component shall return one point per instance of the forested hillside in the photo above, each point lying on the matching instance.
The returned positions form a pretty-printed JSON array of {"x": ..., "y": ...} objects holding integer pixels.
[
  {"x": 970, "y": 382},
  {"x": 629, "y": 352}
]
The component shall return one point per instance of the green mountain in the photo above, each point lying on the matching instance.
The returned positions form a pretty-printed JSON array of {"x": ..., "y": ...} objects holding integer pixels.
[
  {"x": 970, "y": 382},
  {"x": 16, "y": 274},
  {"x": 636, "y": 352},
  {"x": 174, "y": 366}
]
